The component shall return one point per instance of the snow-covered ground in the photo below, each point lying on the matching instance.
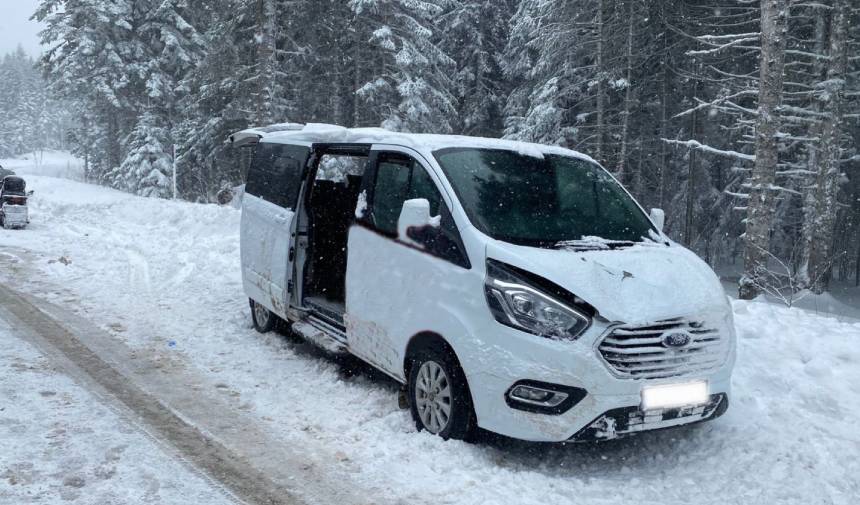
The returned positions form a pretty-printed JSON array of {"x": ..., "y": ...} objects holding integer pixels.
[
  {"x": 842, "y": 302},
  {"x": 60, "y": 444},
  {"x": 165, "y": 275}
]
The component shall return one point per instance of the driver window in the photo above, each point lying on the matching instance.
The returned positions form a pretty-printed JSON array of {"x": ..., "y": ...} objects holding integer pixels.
[
  {"x": 400, "y": 178},
  {"x": 422, "y": 186},
  {"x": 390, "y": 191}
]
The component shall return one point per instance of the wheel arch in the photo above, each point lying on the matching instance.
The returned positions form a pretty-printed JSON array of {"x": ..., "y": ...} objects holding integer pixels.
[
  {"x": 435, "y": 341},
  {"x": 432, "y": 340},
  {"x": 426, "y": 340}
]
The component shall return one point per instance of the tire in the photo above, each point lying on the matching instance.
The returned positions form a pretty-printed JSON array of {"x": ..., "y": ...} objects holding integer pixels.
[
  {"x": 433, "y": 373},
  {"x": 264, "y": 320}
]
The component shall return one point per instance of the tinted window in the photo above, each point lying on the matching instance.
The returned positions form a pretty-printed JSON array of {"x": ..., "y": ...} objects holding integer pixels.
[
  {"x": 275, "y": 173},
  {"x": 543, "y": 202},
  {"x": 13, "y": 185},
  {"x": 399, "y": 178},
  {"x": 422, "y": 186},
  {"x": 389, "y": 193}
]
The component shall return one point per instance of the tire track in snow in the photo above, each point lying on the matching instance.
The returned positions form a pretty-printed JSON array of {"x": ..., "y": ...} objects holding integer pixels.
[
  {"x": 201, "y": 450},
  {"x": 235, "y": 456}
]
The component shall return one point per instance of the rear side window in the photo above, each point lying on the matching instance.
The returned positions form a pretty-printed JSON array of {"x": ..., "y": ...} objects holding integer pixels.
[{"x": 276, "y": 172}]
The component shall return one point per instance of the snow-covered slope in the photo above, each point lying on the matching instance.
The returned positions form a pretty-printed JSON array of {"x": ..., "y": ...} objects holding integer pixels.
[
  {"x": 48, "y": 163},
  {"x": 166, "y": 274}
]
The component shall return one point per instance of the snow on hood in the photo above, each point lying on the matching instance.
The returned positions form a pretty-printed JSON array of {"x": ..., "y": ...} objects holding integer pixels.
[{"x": 639, "y": 284}]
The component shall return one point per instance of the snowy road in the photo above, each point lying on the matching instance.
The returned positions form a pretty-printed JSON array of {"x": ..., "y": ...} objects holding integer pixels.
[
  {"x": 183, "y": 419},
  {"x": 60, "y": 441},
  {"x": 160, "y": 282}
]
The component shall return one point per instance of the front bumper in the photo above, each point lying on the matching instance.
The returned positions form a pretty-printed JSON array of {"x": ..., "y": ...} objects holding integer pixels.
[
  {"x": 622, "y": 422},
  {"x": 518, "y": 356}
]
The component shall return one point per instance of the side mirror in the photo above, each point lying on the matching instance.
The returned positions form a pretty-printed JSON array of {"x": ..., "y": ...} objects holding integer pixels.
[
  {"x": 414, "y": 216},
  {"x": 30, "y": 193},
  {"x": 658, "y": 217}
]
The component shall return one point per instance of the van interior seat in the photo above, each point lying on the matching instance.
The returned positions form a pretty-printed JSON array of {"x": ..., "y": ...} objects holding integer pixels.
[{"x": 332, "y": 212}]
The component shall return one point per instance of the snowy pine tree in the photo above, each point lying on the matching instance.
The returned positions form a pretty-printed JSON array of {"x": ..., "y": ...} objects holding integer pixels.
[
  {"x": 30, "y": 119},
  {"x": 473, "y": 34},
  {"x": 412, "y": 85},
  {"x": 668, "y": 94},
  {"x": 147, "y": 169}
]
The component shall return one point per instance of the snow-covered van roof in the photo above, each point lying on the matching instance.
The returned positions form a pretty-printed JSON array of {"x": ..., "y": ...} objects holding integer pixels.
[
  {"x": 314, "y": 133},
  {"x": 254, "y": 135}
]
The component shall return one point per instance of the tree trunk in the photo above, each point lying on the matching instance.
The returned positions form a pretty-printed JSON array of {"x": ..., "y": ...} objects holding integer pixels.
[
  {"x": 663, "y": 169},
  {"x": 357, "y": 61},
  {"x": 692, "y": 168},
  {"x": 601, "y": 107},
  {"x": 810, "y": 206},
  {"x": 774, "y": 23},
  {"x": 827, "y": 179},
  {"x": 628, "y": 99},
  {"x": 857, "y": 267},
  {"x": 265, "y": 53}
]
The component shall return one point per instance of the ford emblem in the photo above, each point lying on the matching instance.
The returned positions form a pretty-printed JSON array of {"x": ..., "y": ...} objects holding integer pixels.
[{"x": 676, "y": 340}]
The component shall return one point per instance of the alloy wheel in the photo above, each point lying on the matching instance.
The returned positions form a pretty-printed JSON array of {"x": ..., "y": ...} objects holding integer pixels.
[
  {"x": 261, "y": 314},
  {"x": 433, "y": 397}
]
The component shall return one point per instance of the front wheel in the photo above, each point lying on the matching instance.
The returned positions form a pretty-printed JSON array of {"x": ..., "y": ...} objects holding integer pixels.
[
  {"x": 439, "y": 395},
  {"x": 264, "y": 320}
]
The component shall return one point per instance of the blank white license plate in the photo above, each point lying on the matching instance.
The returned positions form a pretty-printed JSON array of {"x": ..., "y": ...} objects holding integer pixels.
[{"x": 675, "y": 395}]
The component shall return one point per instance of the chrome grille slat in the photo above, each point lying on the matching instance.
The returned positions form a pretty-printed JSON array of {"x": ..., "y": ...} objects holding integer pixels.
[
  {"x": 650, "y": 357},
  {"x": 637, "y": 351},
  {"x": 632, "y": 341},
  {"x": 641, "y": 331},
  {"x": 664, "y": 367},
  {"x": 653, "y": 349}
]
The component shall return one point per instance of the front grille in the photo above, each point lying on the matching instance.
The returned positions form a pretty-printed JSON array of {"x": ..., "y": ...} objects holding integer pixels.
[{"x": 641, "y": 351}]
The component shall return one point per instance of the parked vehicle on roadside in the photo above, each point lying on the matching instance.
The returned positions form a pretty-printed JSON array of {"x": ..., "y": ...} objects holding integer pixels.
[
  {"x": 13, "y": 202},
  {"x": 509, "y": 286}
]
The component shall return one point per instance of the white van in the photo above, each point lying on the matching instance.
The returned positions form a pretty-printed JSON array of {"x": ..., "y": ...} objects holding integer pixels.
[{"x": 509, "y": 286}]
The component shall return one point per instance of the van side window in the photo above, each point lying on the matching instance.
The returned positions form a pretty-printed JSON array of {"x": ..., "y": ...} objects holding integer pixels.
[
  {"x": 389, "y": 192},
  {"x": 422, "y": 186},
  {"x": 399, "y": 178},
  {"x": 275, "y": 173}
]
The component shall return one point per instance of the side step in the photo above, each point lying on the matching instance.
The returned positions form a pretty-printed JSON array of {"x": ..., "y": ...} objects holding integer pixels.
[{"x": 321, "y": 334}]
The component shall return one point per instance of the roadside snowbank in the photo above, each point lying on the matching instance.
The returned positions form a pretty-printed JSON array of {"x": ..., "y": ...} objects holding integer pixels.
[{"x": 161, "y": 273}]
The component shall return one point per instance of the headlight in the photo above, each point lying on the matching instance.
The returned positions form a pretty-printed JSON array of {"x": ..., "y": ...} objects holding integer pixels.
[{"x": 515, "y": 302}]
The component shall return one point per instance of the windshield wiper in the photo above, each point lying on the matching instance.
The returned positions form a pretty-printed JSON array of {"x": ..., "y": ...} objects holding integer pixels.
[{"x": 594, "y": 244}]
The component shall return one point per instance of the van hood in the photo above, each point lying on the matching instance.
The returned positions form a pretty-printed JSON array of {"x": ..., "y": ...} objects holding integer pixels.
[{"x": 639, "y": 284}]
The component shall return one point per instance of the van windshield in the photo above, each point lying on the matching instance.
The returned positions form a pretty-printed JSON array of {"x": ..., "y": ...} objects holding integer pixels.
[{"x": 542, "y": 202}]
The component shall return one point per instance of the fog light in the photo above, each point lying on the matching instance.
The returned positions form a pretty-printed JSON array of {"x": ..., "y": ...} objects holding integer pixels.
[{"x": 537, "y": 396}]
